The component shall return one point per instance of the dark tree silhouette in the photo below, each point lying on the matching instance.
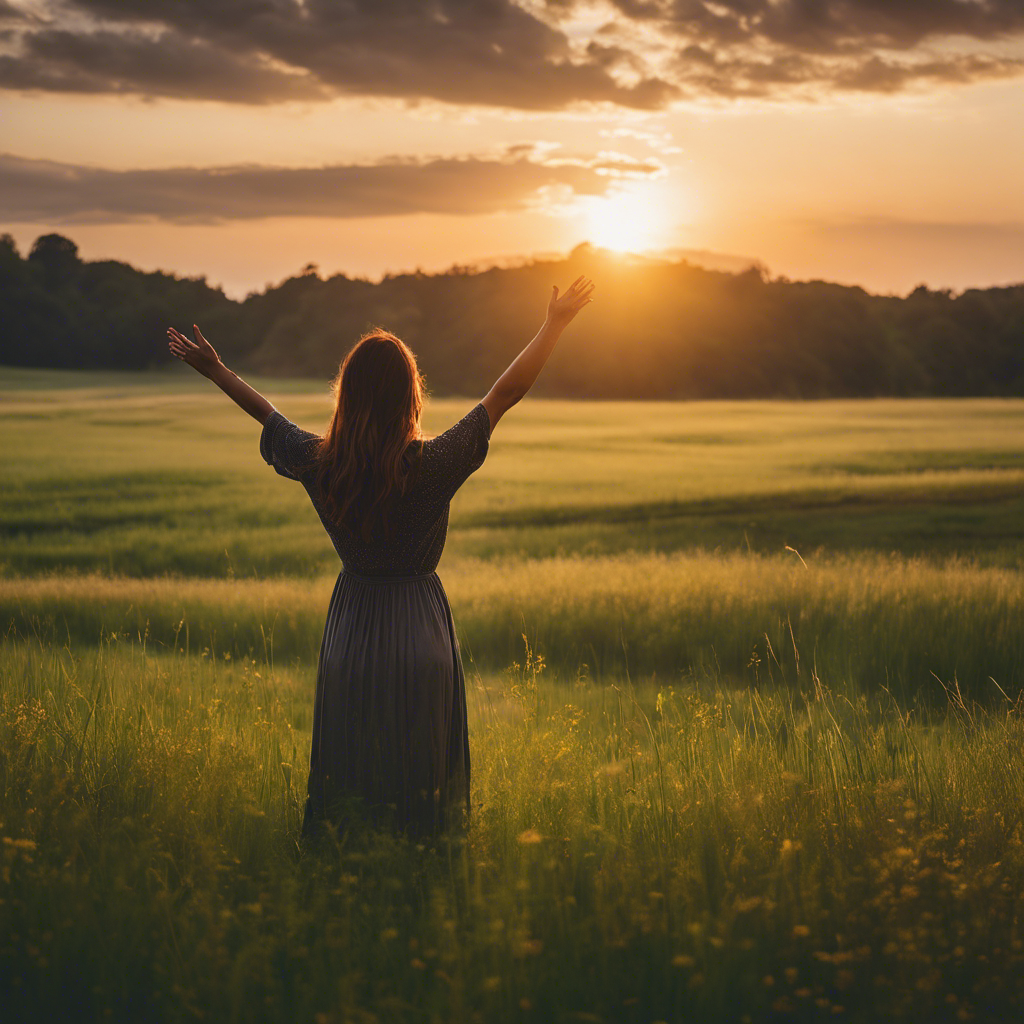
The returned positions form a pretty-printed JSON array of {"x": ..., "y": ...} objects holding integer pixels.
[{"x": 659, "y": 329}]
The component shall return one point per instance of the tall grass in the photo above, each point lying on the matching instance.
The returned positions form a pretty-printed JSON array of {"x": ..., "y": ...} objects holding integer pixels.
[
  {"x": 692, "y": 853},
  {"x": 868, "y": 621}
]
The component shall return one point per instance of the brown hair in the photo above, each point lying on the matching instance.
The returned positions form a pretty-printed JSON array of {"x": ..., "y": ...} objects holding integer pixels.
[{"x": 360, "y": 463}]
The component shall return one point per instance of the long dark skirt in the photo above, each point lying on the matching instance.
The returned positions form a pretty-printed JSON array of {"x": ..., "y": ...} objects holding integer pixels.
[{"x": 390, "y": 738}]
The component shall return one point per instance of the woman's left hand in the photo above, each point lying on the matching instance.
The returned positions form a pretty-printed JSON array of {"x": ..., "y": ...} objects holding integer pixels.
[
  {"x": 199, "y": 354},
  {"x": 562, "y": 308}
]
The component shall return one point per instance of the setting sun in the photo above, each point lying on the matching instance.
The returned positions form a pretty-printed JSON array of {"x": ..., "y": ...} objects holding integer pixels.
[{"x": 633, "y": 221}]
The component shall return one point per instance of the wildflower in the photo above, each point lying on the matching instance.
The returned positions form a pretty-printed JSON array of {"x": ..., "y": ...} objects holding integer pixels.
[
  {"x": 22, "y": 845},
  {"x": 530, "y": 947}
]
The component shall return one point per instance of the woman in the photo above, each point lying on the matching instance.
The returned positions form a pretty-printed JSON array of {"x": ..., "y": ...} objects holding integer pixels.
[{"x": 389, "y": 718}]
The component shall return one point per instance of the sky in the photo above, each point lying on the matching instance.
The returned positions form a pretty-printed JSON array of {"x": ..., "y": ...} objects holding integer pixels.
[{"x": 871, "y": 142}]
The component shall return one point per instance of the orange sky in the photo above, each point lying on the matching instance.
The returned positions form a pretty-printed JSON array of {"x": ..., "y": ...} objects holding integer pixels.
[{"x": 873, "y": 143}]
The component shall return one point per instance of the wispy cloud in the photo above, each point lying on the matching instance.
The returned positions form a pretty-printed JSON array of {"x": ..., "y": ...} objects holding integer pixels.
[{"x": 40, "y": 191}]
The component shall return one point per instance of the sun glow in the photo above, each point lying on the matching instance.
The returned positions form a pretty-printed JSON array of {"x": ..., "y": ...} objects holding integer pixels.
[{"x": 629, "y": 221}]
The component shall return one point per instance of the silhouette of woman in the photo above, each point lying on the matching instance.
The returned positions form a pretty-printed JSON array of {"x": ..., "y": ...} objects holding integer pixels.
[{"x": 389, "y": 717}]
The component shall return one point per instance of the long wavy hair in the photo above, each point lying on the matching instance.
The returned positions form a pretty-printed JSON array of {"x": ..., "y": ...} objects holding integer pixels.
[{"x": 361, "y": 463}]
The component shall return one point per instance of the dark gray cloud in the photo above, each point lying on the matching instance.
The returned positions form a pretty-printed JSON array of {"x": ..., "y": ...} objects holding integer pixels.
[
  {"x": 831, "y": 26},
  {"x": 501, "y": 52},
  {"x": 41, "y": 191},
  {"x": 489, "y": 52},
  {"x": 726, "y": 73},
  {"x": 877, "y": 75},
  {"x": 760, "y": 47},
  {"x": 163, "y": 65}
]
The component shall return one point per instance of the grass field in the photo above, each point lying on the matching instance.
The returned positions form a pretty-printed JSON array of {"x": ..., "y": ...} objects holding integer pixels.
[
  {"x": 140, "y": 476},
  {"x": 758, "y": 757}
]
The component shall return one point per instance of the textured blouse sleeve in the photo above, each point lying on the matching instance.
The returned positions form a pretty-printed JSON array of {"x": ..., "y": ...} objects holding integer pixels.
[
  {"x": 461, "y": 449},
  {"x": 285, "y": 446}
]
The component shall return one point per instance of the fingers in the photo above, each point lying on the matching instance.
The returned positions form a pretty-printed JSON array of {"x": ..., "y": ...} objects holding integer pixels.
[
  {"x": 180, "y": 338},
  {"x": 576, "y": 296},
  {"x": 200, "y": 340},
  {"x": 179, "y": 345},
  {"x": 580, "y": 287},
  {"x": 583, "y": 294}
]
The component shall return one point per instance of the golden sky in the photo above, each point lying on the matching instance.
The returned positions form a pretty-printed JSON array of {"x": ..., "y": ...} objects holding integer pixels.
[{"x": 876, "y": 142}]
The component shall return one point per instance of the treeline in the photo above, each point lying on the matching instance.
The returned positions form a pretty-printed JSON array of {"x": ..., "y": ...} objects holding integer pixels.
[{"x": 658, "y": 329}]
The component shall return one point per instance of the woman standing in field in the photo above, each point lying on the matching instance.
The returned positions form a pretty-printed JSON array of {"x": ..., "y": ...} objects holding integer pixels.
[{"x": 389, "y": 717}]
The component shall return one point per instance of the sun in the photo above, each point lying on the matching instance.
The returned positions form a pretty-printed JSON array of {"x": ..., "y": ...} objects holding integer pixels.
[{"x": 626, "y": 222}]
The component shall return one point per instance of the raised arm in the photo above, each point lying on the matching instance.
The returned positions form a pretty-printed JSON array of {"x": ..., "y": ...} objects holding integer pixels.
[
  {"x": 202, "y": 356},
  {"x": 513, "y": 384}
]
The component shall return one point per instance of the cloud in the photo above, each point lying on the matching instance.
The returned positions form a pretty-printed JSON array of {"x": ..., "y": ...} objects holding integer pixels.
[
  {"x": 767, "y": 47},
  {"x": 40, "y": 191},
  {"x": 163, "y": 65},
  {"x": 489, "y": 52},
  {"x": 745, "y": 75},
  {"x": 526, "y": 54},
  {"x": 831, "y": 26}
]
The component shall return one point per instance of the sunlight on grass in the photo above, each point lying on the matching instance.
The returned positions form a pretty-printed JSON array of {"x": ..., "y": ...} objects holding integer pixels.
[
  {"x": 865, "y": 620},
  {"x": 682, "y": 853}
]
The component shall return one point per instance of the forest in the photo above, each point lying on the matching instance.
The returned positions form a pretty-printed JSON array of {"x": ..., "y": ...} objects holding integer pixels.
[{"x": 660, "y": 329}]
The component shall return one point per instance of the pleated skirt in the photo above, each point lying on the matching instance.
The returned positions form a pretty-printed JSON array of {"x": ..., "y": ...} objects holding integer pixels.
[{"x": 390, "y": 736}]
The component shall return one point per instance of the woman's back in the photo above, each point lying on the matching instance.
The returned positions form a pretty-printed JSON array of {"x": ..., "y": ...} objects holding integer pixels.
[
  {"x": 412, "y": 543},
  {"x": 390, "y": 730}
]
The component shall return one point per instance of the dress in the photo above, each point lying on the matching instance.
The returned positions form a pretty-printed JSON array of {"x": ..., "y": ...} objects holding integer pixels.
[{"x": 389, "y": 717}]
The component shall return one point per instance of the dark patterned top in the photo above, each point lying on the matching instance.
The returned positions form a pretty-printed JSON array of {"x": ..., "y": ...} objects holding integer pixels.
[{"x": 419, "y": 518}]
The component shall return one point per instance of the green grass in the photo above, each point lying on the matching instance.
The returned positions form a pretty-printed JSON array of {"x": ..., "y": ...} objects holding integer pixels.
[
  {"x": 683, "y": 853},
  {"x": 146, "y": 474},
  {"x": 863, "y": 621},
  {"x": 724, "y": 781}
]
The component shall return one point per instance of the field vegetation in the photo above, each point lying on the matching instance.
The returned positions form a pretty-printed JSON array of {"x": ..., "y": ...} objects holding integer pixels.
[{"x": 745, "y": 716}]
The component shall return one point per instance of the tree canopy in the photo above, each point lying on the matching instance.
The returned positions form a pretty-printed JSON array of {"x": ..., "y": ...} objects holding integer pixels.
[{"x": 658, "y": 328}]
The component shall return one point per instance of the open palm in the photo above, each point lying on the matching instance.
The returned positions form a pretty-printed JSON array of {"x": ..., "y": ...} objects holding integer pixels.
[
  {"x": 562, "y": 308},
  {"x": 199, "y": 354}
]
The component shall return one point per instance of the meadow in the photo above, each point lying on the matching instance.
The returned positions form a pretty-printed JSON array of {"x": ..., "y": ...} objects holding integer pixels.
[{"x": 744, "y": 691}]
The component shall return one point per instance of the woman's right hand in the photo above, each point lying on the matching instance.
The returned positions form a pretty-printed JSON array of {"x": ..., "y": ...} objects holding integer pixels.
[
  {"x": 199, "y": 354},
  {"x": 562, "y": 309}
]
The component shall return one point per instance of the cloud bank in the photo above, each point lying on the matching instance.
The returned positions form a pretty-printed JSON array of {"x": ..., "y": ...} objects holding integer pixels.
[
  {"x": 42, "y": 191},
  {"x": 527, "y": 54}
]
